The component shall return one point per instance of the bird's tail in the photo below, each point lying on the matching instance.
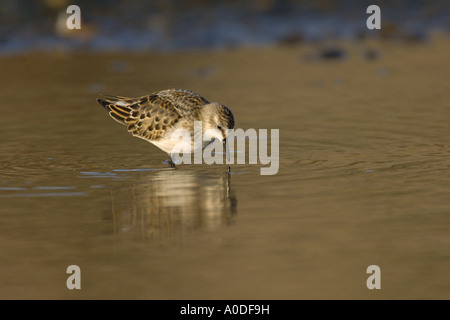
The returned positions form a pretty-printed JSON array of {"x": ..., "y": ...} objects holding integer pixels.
[{"x": 119, "y": 108}]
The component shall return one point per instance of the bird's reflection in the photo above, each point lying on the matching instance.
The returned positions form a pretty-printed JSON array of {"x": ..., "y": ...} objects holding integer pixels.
[{"x": 172, "y": 202}]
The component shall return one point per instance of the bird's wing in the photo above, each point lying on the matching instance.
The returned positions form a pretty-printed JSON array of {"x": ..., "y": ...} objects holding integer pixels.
[{"x": 150, "y": 117}]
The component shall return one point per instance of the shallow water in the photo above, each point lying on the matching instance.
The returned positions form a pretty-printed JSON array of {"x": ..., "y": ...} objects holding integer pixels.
[{"x": 363, "y": 179}]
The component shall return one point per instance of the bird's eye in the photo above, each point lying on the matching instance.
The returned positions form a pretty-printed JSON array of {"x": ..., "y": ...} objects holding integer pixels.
[{"x": 219, "y": 127}]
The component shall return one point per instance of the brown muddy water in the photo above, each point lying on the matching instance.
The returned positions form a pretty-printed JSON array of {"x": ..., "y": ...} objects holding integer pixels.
[{"x": 363, "y": 178}]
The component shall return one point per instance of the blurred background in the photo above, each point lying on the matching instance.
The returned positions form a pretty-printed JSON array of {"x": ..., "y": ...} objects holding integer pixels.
[{"x": 198, "y": 24}]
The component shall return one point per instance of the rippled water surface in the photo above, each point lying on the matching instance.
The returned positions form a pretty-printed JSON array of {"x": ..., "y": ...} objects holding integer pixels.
[{"x": 363, "y": 178}]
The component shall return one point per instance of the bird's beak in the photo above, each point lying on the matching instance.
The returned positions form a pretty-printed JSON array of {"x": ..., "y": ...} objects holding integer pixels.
[{"x": 226, "y": 149}]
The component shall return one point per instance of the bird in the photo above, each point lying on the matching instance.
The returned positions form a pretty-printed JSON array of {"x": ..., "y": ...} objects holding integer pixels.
[{"x": 156, "y": 116}]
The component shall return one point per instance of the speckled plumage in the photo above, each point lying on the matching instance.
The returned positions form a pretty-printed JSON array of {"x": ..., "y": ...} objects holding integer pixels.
[{"x": 154, "y": 117}]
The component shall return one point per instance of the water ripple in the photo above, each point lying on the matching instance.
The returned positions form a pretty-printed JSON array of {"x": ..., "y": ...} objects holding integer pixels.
[{"x": 45, "y": 194}]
